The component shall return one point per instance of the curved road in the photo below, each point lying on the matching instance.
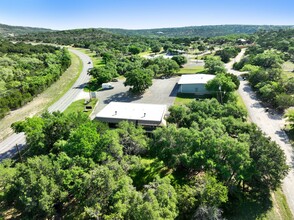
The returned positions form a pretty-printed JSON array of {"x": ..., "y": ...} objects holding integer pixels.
[
  {"x": 8, "y": 146},
  {"x": 271, "y": 124}
]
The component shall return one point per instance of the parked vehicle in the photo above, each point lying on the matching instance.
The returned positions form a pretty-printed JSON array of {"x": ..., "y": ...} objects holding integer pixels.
[
  {"x": 88, "y": 108},
  {"x": 107, "y": 86}
]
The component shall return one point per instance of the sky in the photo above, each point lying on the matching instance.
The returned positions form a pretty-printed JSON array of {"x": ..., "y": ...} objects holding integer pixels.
[{"x": 143, "y": 14}]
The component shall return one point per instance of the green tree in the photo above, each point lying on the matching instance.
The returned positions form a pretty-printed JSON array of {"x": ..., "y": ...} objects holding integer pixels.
[
  {"x": 204, "y": 212},
  {"x": 155, "y": 48},
  {"x": 33, "y": 128},
  {"x": 181, "y": 60},
  {"x": 202, "y": 190},
  {"x": 133, "y": 49},
  {"x": 227, "y": 53},
  {"x": 268, "y": 166},
  {"x": 268, "y": 91},
  {"x": 214, "y": 65},
  {"x": 107, "y": 57},
  {"x": 158, "y": 201},
  {"x": 222, "y": 85},
  {"x": 221, "y": 82},
  {"x": 82, "y": 141},
  {"x": 290, "y": 118},
  {"x": 132, "y": 138},
  {"x": 167, "y": 67},
  {"x": 289, "y": 86},
  {"x": 178, "y": 115},
  {"x": 154, "y": 68},
  {"x": 103, "y": 74},
  {"x": 174, "y": 146},
  {"x": 267, "y": 59},
  {"x": 34, "y": 190},
  {"x": 43, "y": 132},
  {"x": 139, "y": 79},
  {"x": 284, "y": 101},
  {"x": 106, "y": 192}
]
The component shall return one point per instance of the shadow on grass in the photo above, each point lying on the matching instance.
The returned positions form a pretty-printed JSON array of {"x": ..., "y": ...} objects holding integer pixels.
[
  {"x": 7, "y": 212},
  {"x": 249, "y": 208},
  {"x": 290, "y": 134},
  {"x": 194, "y": 96},
  {"x": 148, "y": 173},
  {"x": 92, "y": 87}
]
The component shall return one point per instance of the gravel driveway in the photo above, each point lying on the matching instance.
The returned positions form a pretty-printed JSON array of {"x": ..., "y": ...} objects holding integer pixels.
[{"x": 272, "y": 125}]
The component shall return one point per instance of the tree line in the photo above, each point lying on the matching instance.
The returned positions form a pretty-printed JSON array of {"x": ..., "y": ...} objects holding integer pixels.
[
  {"x": 138, "y": 71},
  {"x": 205, "y": 161},
  {"x": 263, "y": 62},
  {"x": 26, "y": 71}
]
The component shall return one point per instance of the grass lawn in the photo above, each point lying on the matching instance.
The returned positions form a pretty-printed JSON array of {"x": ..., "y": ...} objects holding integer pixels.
[
  {"x": 287, "y": 73},
  {"x": 190, "y": 70},
  {"x": 145, "y": 53},
  {"x": 67, "y": 80},
  {"x": 288, "y": 130},
  {"x": 79, "y": 106},
  {"x": 183, "y": 99},
  {"x": 240, "y": 101}
]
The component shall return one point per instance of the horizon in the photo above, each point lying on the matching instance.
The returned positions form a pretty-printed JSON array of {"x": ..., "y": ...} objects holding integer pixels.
[
  {"x": 135, "y": 15},
  {"x": 130, "y": 29}
]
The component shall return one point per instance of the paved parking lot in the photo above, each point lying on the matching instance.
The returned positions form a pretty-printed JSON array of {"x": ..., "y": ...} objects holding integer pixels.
[{"x": 162, "y": 91}]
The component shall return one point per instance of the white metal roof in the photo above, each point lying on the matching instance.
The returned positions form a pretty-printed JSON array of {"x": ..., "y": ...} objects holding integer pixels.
[
  {"x": 133, "y": 111},
  {"x": 195, "y": 79}
]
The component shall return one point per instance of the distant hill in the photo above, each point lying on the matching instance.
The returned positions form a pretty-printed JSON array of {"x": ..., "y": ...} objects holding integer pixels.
[
  {"x": 201, "y": 31},
  {"x": 7, "y": 30},
  {"x": 76, "y": 37},
  {"x": 192, "y": 31}
]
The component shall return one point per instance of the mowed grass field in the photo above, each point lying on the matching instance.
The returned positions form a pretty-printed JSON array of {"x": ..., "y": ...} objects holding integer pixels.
[
  {"x": 79, "y": 106},
  {"x": 288, "y": 68},
  {"x": 191, "y": 70}
]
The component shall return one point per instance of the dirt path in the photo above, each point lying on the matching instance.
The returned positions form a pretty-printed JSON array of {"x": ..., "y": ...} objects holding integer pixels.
[
  {"x": 272, "y": 125},
  {"x": 42, "y": 101}
]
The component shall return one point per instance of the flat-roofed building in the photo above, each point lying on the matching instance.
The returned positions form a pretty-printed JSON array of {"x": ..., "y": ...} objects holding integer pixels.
[
  {"x": 194, "y": 83},
  {"x": 146, "y": 115}
]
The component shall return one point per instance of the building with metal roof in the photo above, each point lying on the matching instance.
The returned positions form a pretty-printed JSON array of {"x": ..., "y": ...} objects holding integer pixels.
[
  {"x": 194, "y": 83},
  {"x": 147, "y": 115}
]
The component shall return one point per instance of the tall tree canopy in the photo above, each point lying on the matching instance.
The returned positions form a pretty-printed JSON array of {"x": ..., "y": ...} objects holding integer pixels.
[{"x": 139, "y": 80}]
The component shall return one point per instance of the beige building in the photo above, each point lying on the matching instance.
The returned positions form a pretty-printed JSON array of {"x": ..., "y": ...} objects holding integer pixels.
[{"x": 149, "y": 116}]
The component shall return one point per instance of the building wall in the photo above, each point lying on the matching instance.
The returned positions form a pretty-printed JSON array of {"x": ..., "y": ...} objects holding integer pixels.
[{"x": 198, "y": 89}]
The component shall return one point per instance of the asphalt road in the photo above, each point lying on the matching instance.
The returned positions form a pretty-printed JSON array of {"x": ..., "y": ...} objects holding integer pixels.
[
  {"x": 162, "y": 91},
  {"x": 8, "y": 146},
  {"x": 271, "y": 123}
]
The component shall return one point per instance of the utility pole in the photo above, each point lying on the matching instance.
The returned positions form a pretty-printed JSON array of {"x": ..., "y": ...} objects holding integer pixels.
[
  {"x": 19, "y": 154},
  {"x": 220, "y": 93}
]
